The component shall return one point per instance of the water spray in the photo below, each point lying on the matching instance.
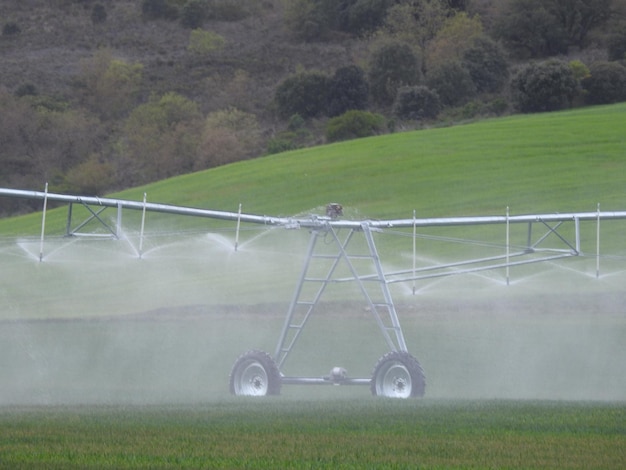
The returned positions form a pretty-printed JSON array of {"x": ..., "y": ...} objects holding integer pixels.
[{"x": 397, "y": 373}]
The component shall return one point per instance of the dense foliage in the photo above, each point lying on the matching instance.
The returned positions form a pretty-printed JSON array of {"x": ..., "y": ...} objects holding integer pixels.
[{"x": 544, "y": 86}]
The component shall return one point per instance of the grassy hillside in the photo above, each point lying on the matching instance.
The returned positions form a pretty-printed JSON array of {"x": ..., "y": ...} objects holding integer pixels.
[{"x": 557, "y": 162}]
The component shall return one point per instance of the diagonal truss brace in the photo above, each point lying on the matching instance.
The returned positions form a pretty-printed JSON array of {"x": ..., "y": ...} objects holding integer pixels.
[{"x": 95, "y": 215}]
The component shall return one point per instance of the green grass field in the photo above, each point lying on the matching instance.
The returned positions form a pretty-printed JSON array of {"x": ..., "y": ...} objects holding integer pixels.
[
  {"x": 279, "y": 433},
  {"x": 108, "y": 360}
]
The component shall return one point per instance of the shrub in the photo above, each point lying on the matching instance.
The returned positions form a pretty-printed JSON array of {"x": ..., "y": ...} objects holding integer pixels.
[
  {"x": 203, "y": 42},
  {"x": 606, "y": 83},
  {"x": 353, "y": 125},
  {"x": 348, "y": 90},
  {"x": 392, "y": 66},
  {"x": 417, "y": 102},
  {"x": 544, "y": 86},
  {"x": 305, "y": 94},
  {"x": 452, "y": 82},
  {"x": 296, "y": 136},
  {"x": 283, "y": 143}
]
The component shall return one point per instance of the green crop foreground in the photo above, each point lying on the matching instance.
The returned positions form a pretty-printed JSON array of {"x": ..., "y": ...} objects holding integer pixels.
[{"x": 282, "y": 433}]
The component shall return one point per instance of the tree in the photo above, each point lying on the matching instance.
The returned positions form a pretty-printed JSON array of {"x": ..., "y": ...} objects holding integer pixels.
[
  {"x": 416, "y": 103},
  {"x": 39, "y": 143},
  {"x": 487, "y": 64},
  {"x": 305, "y": 93},
  {"x": 606, "y": 83},
  {"x": 348, "y": 89},
  {"x": 415, "y": 22},
  {"x": 617, "y": 44},
  {"x": 364, "y": 16},
  {"x": 456, "y": 35},
  {"x": 229, "y": 135},
  {"x": 539, "y": 28},
  {"x": 160, "y": 139},
  {"x": 452, "y": 82},
  {"x": 392, "y": 66},
  {"x": 111, "y": 86},
  {"x": 311, "y": 20},
  {"x": 530, "y": 29},
  {"x": 544, "y": 86},
  {"x": 578, "y": 17}
]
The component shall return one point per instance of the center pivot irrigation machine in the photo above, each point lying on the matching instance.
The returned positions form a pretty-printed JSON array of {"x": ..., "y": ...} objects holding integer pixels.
[{"x": 345, "y": 251}]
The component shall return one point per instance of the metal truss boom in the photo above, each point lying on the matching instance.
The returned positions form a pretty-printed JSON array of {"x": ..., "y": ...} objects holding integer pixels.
[{"x": 313, "y": 221}]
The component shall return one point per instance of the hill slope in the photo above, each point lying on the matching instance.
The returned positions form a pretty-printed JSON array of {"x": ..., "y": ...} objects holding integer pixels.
[{"x": 558, "y": 162}]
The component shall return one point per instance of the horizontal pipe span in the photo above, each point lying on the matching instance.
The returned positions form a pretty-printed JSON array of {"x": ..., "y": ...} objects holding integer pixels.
[
  {"x": 323, "y": 381},
  {"x": 313, "y": 221}
]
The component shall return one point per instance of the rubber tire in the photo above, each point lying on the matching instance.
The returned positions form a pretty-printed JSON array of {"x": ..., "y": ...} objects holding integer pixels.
[
  {"x": 398, "y": 375},
  {"x": 255, "y": 374}
]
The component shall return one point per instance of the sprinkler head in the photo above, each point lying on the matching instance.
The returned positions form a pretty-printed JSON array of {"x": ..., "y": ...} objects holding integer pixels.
[{"x": 334, "y": 210}]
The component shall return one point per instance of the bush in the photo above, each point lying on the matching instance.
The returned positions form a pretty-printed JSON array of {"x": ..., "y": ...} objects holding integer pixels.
[
  {"x": 418, "y": 102},
  {"x": 452, "y": 82},
  {"x": 296, "y": 136},
  {"x": 392, "y": 66},
  {"x": 348, "y": 90},
  {"x": 544, "y": 86},
  {"x": 354, "y": 125},
  {"x": 305, "y": 94},
  {"x": 202, "y": 42},
  {"x": 606, "y": 83}
]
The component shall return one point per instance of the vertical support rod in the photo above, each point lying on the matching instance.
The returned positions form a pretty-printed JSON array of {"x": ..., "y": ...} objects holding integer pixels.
[
  {"x": 414, "y": 248},
  {"x": 43, "y": 222},
  {"x": 238, "y": 226},
  {"x": 143, "y": 224},
  {"x": 118, "y": 228},
  {"x": 508, "y": 245},
  {"x": 577, "y": 234},
  {"x": 598, "y": 244},
  {"x": 68, "y": 225}
]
